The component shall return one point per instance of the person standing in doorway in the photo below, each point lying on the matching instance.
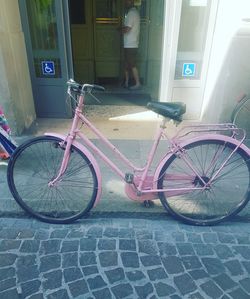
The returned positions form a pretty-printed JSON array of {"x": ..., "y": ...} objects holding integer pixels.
[{"x": 131, "y": 32}]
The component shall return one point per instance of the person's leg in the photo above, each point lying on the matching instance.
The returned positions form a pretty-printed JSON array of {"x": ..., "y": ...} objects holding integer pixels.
[
  {"x": 126, "y": 68},
  {"x": 135, "y": 73}
]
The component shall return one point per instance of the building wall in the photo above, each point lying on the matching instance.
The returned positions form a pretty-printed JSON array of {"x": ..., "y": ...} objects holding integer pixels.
[
  {"x": 15, "y": 87},
  {"x": 229, "y": 65}
]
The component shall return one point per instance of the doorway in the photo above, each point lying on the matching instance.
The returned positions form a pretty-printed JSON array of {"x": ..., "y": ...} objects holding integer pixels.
[{"x": 97, "y": 41}]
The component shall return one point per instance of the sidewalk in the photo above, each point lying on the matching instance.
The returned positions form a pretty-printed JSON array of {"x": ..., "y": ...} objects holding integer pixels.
[{"x": 123, "y": 258}]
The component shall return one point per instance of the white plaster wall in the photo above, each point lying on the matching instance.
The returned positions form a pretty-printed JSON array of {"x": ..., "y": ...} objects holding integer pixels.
[{"x": 229, "y": 66}]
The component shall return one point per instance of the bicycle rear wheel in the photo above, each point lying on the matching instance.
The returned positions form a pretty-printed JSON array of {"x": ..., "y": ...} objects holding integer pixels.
[
  {"x": 228, "y": 193},
  {"x": 240, "y": 115},
  {"x": 37, "y": 162}
]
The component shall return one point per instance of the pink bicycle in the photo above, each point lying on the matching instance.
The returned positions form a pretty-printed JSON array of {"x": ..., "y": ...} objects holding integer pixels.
[{"x": 202, "y": 179}]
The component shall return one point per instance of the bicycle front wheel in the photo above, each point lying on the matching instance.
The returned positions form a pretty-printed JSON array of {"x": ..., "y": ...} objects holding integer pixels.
[
  {"x": 35, "y": 164},
  {"x": 187, "y": 174}
]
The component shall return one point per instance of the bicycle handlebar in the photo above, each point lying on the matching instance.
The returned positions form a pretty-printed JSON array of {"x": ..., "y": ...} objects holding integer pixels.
[{"x": 85, "y": 87}]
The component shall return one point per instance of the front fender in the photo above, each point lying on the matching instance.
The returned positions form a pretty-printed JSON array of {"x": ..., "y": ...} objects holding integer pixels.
[
  {"x": 91, "y": 158},
  {"x": 195, "y": 139}
]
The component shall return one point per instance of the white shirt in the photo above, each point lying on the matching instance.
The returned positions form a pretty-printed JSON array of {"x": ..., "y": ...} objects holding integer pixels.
[{"x": 132, "y": 20}]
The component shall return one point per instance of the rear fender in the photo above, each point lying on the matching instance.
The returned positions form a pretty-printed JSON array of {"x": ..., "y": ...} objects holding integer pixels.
[
  {"x": 195, "y": 139},
  {"x": 91, "y": 158}
]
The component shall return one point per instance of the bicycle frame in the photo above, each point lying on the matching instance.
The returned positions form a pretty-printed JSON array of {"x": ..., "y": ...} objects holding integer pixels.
[{"x": 143, "y": 186}]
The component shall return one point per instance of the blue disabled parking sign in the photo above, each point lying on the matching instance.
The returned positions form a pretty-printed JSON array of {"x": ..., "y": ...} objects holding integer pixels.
[
  {"x": 188, "y": 69},
  {"x": 48, "y": 68}
]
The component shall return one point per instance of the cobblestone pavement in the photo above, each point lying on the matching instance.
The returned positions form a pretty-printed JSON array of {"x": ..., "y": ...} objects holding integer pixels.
[{"x": 123, "y": 258}]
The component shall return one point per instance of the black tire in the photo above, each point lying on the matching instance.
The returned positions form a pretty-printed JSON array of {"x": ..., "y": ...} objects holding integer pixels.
[
  {"x": 240, "y": 115},
  {"x": 228, "y": 194},
  {"x": 34, "y": 164}
]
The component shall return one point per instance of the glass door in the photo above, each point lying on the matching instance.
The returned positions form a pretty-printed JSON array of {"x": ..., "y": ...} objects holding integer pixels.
[{"x": 43, "y": 26}]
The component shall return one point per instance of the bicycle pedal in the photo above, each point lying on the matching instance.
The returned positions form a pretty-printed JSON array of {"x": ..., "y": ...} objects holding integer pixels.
[{"x": 129, "y": 178}]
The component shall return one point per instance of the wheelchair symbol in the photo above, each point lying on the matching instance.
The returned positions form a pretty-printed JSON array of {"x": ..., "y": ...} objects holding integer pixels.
[{"x": 48, "y": 68}]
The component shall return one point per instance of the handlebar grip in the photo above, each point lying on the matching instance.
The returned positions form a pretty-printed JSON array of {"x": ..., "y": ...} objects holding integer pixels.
[{"x": 98, "y": 87}]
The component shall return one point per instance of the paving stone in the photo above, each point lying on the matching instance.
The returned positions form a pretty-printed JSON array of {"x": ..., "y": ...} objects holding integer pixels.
[
  {"x": 70, "y": 260},
  {"x": 37, "y": 296},
  {"x": 50, "y": 262},
  {"x": 198, "y": 274},
  {"x": 223, "y": 251},
  {"x": 8, "y": 234},
  {"x": 90, "y": 270},
  {"x": 42, "y": 235},
  {"x": 96, "y": 282},
  {"x": 103, "y": 294},
  {"x": 166, "y": 249},
  {"x": 148, "y": 247},
  {"x": 191, "y": 262},
  {"x": 178, "y": 236},
  {"x": 150, "y": 260},
  {"x": 106, "y": 244},
  {"x": 135, "y": 275},
  {"x": 144, "y": 291},
  {"x": 243, "y": 239},
  {"x": 52, "y": 280},
  {"x": 245, "y": 283},
  {"x": 61, "y": 294},
  {"x": 143, "y": 234},
  {"x": 95, "y": 232},
  {"x": 50, "y": 246},
  {"x": 26, "y": 260},
  {"x": 72, "y": 274},
  {"x": 115, "y": 275},
  {"x": 7, "y": 259},
  {"x": 30, "y": 287},
  {"x": 239, "y": 293},
  {"x": 87, "y": 259},
  {"x": 246, "y": 265},
  {"x": 27, "y": 273},
  {"x": 6, "y": 245},
  {"x": 88, "y": 244},
  {"x": 234, "y": 267},
  {"x": 213, "y": 265},
  {"x": 26, "y": 234},
  {"x": 211, "y": 289},
  {"x": 6, "y": 273},
  {"x": 224, "y": 282},
  {"x": 163, "y": 289},
  {"x": 203, "y": 249},
  {"x": 194, "y": 238},
  {"x": 122, "y": 290},
  {"x": 30, "y": 246},
  {"x": 127, "y": 233},
  {"x": 185, "y": 248},
  {"x": 185, "y": 284},
  {"x": 196, "y": 295},
  {"x": 210, "y": 237},
  {"x": 157, "y": 274},
  {"x": 7, "y": 284},
  {"x": 126, "y": 244},
  {"x": 10, "y": 294},
  {"x": 78, "y": 288},
  {"x": 226, "y": 238},
  {"x": 75, "y": 234},
  {"x": 130, "y": 259},
  {"x": 69, "y": 246},
  {"x": 111, "y": 232},
  {"x": 173, "y": 264},
  {"x": 108, "y": 258},
  {"x": 59, "y": 234},
  {"x": 243, "y": 250}
]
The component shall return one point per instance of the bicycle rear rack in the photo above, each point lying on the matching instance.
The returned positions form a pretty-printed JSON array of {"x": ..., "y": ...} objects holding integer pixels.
[{"x": 227, "y": 129}]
